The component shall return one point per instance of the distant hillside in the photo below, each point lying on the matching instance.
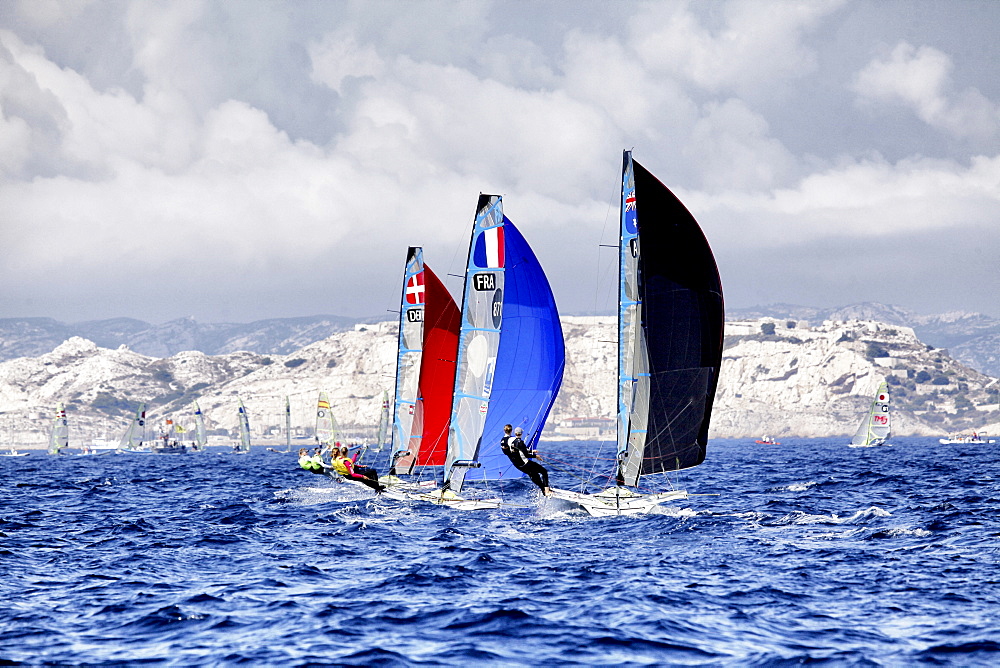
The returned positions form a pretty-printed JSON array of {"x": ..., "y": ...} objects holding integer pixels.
[
  {"x": 971, "y": 338},
  {"x": 31, "y": 337},
  {"x": 778, "y": 377}
]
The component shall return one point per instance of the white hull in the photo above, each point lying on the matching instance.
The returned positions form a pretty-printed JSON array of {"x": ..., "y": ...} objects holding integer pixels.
[
  {"x": 13, "y": 454},
  {"x": 617, "y": 500},
  {"x": 964, "y": 441},
  {"x": 429, "y": 492},
  {"x": 870, "y": 445}
]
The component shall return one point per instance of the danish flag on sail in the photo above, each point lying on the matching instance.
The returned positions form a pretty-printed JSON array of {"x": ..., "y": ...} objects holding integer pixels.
[
  {"x": 415, "y": 289},
  {"x": 489, "y": 249}
]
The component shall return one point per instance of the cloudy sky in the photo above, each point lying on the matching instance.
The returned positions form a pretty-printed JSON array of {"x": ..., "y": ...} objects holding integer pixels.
[{"x": 235, "y": 161}]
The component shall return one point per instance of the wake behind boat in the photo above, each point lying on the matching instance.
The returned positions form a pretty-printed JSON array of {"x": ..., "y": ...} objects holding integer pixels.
[{"x": 670, "y": 328}]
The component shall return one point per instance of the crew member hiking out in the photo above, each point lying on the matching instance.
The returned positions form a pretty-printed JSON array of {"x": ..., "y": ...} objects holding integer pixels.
[
  {"x": 312, "y": 464},
  {"x": 523, "y": 459},
  {"x": 346, "y": 467}
]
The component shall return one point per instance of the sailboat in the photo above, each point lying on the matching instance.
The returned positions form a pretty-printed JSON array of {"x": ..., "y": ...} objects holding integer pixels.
[
  {"x": 288, "y": 425},
  {"x": 510, "y": 357},
  {"x": 383, "y": 423},
  {"x": 326, "y": 425},
  {"x": 133, "y": 439},
  {"x": 670, "y": 329},
  {"x": 59, "y": 435},
  {"x": 244, "y": 424},
  {"x": 200, "y": 435},
  {"x": 874, "y": 427},
  {"x": 429, "y": 324}
]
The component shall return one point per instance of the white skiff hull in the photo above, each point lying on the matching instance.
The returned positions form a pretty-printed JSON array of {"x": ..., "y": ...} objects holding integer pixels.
[
  {"x": 617, "y": 500},
  {"x": 429, "y": 493}
]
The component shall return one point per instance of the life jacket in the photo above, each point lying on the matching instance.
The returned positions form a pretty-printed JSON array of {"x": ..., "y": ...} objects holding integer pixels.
[
  {"x": 340, "y": 466},
  {"x": 311, "y": 464}
]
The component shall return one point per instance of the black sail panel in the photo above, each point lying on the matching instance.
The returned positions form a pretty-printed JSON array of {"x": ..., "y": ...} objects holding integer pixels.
[{"x": 683, "y": 321}]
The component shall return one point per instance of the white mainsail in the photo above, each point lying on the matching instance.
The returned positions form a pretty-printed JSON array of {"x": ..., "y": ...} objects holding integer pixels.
[
  {"x": 875, "y": 427},
  {"x": 326, "y": 425},
  {"x": 200, "y": 435},
  {"x": 244, "y": 445},
  {"x": 59, "y": 437},
  {"x": 135, "y": 435}
]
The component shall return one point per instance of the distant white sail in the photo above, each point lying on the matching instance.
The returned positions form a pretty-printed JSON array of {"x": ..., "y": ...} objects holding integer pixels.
[
  {"x": 200, "y": 435},
  {"x": 244, "y": 429},
  {"x": 875, "y": 427},
  {"x": 326, "y": 425},
  {"x": 136, "y": 432},
  {"x": 59, "y": 438}
]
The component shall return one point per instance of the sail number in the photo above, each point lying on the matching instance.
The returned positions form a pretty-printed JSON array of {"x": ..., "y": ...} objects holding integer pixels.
[
  {"x": 497, "y": 308},
  {"x": 415, "y": 315},
  {"x": 484, "y": 281}
]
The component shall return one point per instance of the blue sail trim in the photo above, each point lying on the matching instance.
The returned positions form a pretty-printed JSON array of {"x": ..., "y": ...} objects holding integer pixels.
[{"x": 530, "y": 359}]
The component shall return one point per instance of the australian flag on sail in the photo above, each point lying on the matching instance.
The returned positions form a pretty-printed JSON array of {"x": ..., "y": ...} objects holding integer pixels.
[
  {"x": 630, "y": 226},
  {"x": 415, "y": 289},
  {"x": 488, "y": 253}
]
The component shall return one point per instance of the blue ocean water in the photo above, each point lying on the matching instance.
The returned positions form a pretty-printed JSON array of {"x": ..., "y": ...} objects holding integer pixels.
[{"x": 806, "y": 552}]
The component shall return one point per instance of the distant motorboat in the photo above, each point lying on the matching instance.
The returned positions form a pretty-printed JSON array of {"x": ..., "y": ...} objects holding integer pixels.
[
  {"x": 975, "y": 438},
  {"x": 767, "y": 440},
  {"x": 13, "y": 453}
]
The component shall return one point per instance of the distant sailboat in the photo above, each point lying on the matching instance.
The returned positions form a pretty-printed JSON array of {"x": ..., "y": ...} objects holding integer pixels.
[
  {"x": 134, "y": 438},
  {"x": 425, "y": 368},
  {"x": 383, "y": 423},
  {"x": 244, "y": 424},
  {"x": 288, "y": 425},
  {"x": 875, "y": 426},
  {"x": 59, "y": 435},
  {"x": 670, "y": 328},
  {"x": 326, "y": 425},
  {"x": 200, "y": 435}
]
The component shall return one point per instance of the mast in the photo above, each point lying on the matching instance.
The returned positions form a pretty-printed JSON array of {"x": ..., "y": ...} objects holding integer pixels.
[
  {"x": 670, "y": 327},
  {"x": 383, "y": 422},
  {"x": 288, "y": 425}
]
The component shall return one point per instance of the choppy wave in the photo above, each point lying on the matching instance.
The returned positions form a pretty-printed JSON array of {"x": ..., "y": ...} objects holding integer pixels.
[{"x": 815, "y": 553}]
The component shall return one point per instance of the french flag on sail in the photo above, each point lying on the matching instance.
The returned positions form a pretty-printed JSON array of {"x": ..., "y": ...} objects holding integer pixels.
[{"x": 489, "y": 249}]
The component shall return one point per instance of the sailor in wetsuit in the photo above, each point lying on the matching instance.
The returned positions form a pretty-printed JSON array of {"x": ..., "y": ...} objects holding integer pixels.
[{"x": 523, "y": 459}]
